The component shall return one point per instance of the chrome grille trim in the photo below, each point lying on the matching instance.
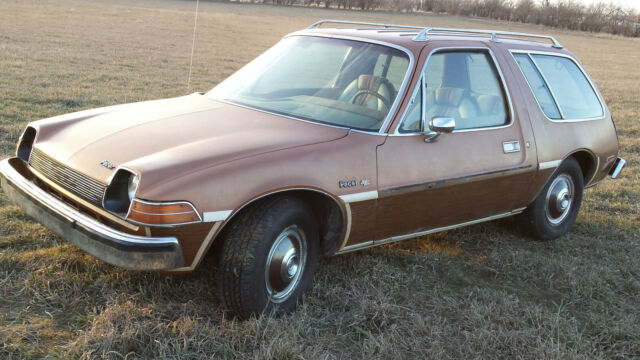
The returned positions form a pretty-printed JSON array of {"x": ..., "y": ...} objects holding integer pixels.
[{"x": 79, "y": 184}]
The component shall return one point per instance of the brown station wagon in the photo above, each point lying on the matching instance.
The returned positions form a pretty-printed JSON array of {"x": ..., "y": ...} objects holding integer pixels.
[{"x": 336, "y": 139}]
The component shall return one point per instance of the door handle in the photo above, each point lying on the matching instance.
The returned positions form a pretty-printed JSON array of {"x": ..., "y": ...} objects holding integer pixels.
[{"x": 510, "y": 146}]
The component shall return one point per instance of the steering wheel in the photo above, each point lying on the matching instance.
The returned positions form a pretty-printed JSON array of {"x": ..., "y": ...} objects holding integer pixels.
[{"x": 381, "y": 97}]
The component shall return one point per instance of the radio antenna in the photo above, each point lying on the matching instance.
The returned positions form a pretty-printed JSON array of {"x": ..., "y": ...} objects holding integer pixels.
[{"x": 193, "y": 45}]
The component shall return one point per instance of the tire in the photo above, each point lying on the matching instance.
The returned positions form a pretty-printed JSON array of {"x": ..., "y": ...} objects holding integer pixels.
[
  {"x": 268, "y": 258},
  {"x": 555, "y": 209}
]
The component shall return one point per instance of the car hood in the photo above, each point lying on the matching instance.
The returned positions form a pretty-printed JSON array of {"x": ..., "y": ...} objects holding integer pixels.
[{"x": 163, "y": 139}]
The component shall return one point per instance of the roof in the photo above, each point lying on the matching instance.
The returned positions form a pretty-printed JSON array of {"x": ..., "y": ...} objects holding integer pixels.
[{"x": 410, "y": 36}]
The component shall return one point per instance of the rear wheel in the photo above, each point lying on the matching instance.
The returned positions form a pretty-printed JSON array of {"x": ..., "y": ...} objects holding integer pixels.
[
  {"x": 556, "y": 208},
  {"x": 269, "y": 257}
]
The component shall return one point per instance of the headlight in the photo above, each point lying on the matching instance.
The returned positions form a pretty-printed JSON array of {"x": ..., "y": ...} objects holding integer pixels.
[
  {"x": 132, "y": 186},
  {"x": 25, "y": 144},
  {"x": 120, "y": 199},
  {"x": 121, "y": 191}
]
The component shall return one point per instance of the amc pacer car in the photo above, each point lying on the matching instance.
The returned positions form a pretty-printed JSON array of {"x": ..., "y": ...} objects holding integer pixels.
[{"x": 336, "y": 139}]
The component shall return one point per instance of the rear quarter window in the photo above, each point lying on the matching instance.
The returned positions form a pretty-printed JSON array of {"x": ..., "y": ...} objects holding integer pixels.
[
  {"x": 560, "y": 86},
  {"x": 538, "y": 86}
]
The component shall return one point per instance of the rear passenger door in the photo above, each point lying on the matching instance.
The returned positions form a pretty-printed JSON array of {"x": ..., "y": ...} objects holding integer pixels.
[{"x": 477, "y": 172}]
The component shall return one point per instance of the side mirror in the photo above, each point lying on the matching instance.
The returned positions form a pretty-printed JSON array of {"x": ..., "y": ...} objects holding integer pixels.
[{"x": 439, "y": 125}]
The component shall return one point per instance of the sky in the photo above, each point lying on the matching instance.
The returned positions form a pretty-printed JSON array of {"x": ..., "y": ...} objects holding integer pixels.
[{"x": 626, "y": 3}]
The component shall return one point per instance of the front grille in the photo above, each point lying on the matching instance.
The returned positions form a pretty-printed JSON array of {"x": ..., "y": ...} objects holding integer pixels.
[{"x": 71, "y": 180}]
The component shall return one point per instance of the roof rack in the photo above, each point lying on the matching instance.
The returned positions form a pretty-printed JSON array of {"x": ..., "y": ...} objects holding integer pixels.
[
  {"x": 425, "y": 31},
  {"x": 386, "y": 26}
]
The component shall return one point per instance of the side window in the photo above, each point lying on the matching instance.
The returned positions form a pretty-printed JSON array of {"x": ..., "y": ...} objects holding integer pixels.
[
  {"x": 465, "y": 85},
  {"x": 573, "y": 92},
  {"x": 538, "y": 86},
  {"x": 412, "y": 119},
  {"x": 482, "y": 77},
  {"x": 433, "y": 73}
]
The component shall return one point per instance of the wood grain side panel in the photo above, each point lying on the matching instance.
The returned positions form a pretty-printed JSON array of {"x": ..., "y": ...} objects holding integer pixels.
[
  {"x": 189, "y": 236},
  {"x": 447, "y": 205},
  {"x": 540, "y": 180},
  {"x": 363, "y": 218}
]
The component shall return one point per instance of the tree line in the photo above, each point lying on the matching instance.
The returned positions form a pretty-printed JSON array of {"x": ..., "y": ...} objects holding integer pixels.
[{"x": 608, "y": 17}]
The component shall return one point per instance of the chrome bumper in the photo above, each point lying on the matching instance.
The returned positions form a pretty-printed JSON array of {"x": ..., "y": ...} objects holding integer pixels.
[
  {"x": 617, "y": 167},
  {"x": 112, "y": 246}
]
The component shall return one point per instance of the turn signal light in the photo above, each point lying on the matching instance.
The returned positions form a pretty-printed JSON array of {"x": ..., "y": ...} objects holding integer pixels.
[{"x": 172, "y": 213}]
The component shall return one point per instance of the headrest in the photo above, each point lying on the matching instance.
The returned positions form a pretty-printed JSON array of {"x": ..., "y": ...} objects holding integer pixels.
[{"x": 449, "y": 96}]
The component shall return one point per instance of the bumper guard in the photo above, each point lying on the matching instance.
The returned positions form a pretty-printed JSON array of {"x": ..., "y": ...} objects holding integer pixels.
[{"x": 617, "y": 167}]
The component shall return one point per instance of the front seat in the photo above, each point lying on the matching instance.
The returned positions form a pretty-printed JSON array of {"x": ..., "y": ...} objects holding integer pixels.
[
  {"x": 371, "y": 91},
  {"x": 455, "y": 103}
]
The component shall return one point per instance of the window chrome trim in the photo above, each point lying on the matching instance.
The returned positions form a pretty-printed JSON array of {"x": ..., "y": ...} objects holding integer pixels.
[
  {"x": 580, "y": 67},
  {"x": 461, "y": 48},
  {"x": 392, "y": 111}
]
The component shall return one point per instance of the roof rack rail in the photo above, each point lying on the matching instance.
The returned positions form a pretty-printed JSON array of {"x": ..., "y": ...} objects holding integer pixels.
[
  {"x": 495, "y": 34},
  {"x": 425, "y": 31},
  {"x": 386, "y": 26}
]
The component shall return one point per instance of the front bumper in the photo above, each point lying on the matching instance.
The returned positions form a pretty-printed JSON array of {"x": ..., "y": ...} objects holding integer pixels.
[{"x": 114, "y": 247}]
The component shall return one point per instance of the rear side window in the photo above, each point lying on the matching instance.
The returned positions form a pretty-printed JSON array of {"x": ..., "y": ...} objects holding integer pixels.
[
  {"x": 538, "y": 86},
  {"x": 560, "y": 79},
  {"x": 574, "y": 94}
]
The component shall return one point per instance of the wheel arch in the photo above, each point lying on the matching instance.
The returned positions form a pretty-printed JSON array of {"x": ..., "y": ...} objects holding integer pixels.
[
  {"x": 330, "y": 214},
  {"x": 588, "y": 163}
]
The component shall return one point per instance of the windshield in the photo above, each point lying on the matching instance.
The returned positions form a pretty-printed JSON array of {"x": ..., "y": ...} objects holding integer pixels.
[{"x": 332, "y": 81}]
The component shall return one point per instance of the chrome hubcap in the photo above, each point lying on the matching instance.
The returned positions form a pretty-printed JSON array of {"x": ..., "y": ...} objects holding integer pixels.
[
  {"x": 559, "y": 199},
  {"x": 285, "y": 263}
]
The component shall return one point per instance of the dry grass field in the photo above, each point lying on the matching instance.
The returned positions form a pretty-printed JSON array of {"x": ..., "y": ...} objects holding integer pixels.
[{"x": 478, "y": 292}]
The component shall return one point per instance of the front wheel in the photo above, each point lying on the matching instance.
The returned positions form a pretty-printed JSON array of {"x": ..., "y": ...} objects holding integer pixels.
[
  {"x": 269, "y": 257},
  {"x": 556, "y": 208}
]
